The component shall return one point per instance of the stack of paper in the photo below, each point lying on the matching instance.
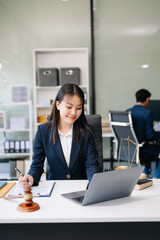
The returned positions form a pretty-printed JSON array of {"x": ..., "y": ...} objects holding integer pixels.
[{"x": 44, "y": 189}]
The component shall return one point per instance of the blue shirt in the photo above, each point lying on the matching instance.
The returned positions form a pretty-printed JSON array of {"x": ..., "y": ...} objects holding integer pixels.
[{"x": 143, "y": 127}]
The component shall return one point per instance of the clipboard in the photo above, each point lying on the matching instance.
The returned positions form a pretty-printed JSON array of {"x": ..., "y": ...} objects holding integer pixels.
[{"x": 44, "y": 189}]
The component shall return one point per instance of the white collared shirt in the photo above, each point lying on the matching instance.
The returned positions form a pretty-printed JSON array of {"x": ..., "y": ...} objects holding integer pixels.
[{"x": 66, "y": 142}]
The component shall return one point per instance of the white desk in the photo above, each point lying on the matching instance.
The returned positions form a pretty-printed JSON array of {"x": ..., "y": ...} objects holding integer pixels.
[{"x": 141, "y": 207}]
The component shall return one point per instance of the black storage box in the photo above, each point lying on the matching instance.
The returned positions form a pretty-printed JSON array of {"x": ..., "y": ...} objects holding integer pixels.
[
  {"x": 47, "y": 77},
  {"x": 70, "y": 75}
]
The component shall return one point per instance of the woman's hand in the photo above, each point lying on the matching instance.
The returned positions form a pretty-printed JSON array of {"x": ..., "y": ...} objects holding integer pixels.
[{"x": 26, "y": 181}]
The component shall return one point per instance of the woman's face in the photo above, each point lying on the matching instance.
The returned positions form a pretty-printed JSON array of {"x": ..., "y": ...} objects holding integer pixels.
[{"x": 70, "y": 109}]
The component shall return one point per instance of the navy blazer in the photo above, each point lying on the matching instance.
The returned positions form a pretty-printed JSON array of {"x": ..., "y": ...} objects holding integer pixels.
[
  {"x": 83, "y": 158},
  {"x": 143, "y": 127}
]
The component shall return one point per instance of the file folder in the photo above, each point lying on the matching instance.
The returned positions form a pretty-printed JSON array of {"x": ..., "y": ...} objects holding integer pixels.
[{"x": 4, "y": 190}]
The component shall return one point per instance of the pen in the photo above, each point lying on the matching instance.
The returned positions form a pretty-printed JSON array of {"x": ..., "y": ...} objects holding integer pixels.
[
  {"x": 18, "y": 196},
  {"x": 20, "y": 173},
  {"x": 13, "y": 197}
]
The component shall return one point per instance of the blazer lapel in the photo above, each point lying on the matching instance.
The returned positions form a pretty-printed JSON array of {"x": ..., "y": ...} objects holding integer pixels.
[{"x": 74, "y": 152}]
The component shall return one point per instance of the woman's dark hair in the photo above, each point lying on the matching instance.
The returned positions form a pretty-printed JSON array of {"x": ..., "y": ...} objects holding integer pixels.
[
  {"x": 80, "y": 125},
  {"x": 142, "y": 95}
]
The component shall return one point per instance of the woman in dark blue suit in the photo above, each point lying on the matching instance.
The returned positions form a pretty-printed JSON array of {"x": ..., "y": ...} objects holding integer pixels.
[{"x": 65, "y": 140}]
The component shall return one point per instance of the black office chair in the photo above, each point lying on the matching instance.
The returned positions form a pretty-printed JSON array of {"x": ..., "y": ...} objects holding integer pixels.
[
  {"x": 127, "y": 145},
  {"x": 94, "y": 121}
]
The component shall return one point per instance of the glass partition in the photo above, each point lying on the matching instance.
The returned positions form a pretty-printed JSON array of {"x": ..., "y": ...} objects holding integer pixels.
[
  {"x": 25, "y": 25},
  {"x": 127, "y": 52}
]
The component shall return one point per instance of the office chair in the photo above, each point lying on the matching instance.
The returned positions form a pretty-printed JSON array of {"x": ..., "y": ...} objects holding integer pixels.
[
  {"x": 127, "y": 145},
  {"x": 122, "y": 127},
  {"x": 94, "y": 121}
]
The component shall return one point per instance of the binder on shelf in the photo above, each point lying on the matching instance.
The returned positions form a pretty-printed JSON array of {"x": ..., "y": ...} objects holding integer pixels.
[
  {"x": 6, "y": 146},
  {"x": 17, "y": 146},
  {"x": 22, "y": 145},
  {"x": 27, "y": 145},
  {"x": 11, "y": 146}
]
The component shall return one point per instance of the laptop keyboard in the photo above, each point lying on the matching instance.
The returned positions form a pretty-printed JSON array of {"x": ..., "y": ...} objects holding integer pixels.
[{"x": 78, "y": 199}]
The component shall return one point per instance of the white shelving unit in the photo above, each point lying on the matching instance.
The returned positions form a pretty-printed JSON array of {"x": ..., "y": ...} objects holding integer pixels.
[
  {"x": 58, "y": 58},
  {"x": 17, "y": 133}
]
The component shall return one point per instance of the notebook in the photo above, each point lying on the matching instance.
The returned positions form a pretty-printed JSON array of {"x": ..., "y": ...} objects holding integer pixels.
[{"x": 107, "y": 186}]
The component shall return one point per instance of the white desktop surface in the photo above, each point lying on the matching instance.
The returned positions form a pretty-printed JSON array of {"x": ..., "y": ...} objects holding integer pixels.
[{"x": 143, "y": 206}]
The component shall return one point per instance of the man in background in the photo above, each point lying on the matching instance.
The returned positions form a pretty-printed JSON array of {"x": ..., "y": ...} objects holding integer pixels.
[{"x": 143, "y": 127}]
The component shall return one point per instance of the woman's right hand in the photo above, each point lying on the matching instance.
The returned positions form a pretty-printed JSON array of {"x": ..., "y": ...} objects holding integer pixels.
[{"x": 26, "y": 181}]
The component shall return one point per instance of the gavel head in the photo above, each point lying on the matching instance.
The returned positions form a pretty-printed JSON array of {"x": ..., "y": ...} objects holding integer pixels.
[{"x": 28, "y": 195}]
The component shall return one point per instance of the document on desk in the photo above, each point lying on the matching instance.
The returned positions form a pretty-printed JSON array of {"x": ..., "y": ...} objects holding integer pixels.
[{"x": 44, "y": 189}]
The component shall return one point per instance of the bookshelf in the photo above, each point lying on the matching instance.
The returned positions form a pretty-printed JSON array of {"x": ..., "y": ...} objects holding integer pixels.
[
  {"x": 17, "y": 132},
  {"x": 58, "y": 58}
]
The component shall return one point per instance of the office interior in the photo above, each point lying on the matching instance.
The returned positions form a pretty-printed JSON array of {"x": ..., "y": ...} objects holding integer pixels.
[{"x": 122, "y": 38}]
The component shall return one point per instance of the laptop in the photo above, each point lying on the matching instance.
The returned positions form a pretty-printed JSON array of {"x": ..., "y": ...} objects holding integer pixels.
[{"x": 106, "y": 186}]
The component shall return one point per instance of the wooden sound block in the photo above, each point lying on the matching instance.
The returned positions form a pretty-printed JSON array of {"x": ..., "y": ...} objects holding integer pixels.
[
  {"x": 29, "y": 205},
  {"x": 23, "y": 207}
]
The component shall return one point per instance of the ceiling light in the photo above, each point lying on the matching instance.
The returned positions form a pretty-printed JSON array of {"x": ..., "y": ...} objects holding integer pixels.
[{"x": 145, "y": 66}]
